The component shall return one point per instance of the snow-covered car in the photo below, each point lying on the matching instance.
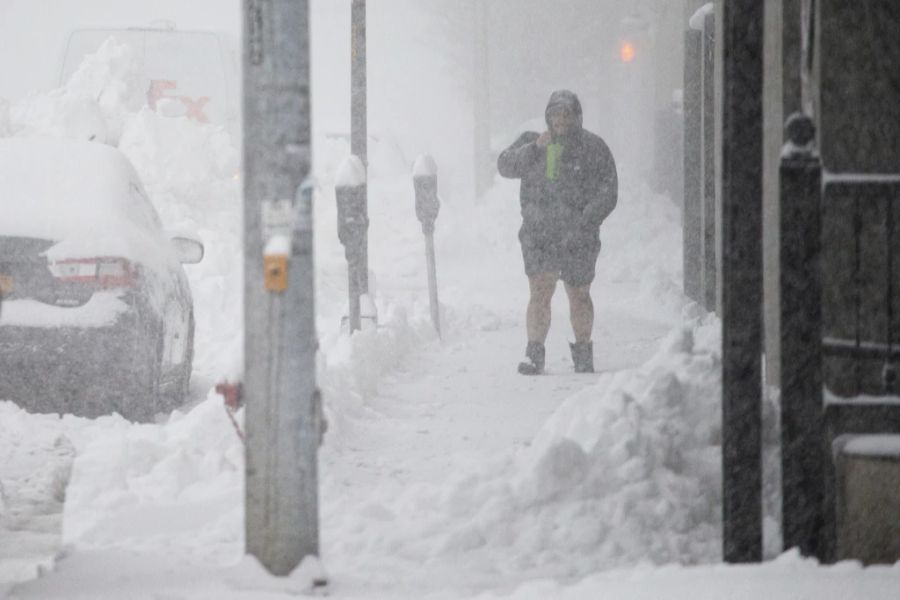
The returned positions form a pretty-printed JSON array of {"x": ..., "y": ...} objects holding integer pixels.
[{"x": 97, "y": 314}]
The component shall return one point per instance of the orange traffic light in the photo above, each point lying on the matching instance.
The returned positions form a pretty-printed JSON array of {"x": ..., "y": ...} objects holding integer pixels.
[{"x": 626, "y": 52}]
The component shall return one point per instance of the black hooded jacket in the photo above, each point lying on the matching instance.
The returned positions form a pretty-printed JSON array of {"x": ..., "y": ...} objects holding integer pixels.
[{"x": 582, "y": 195}]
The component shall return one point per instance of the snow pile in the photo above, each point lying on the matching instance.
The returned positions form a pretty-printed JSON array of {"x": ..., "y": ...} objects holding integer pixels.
[
  {"x": 175, "y": 486},
  {"x": 625, "y": 472},
  {"x": 36, "y": 454},
  {"x": 94, "y": 105},
  {"x": 177, "y": 152},
  {"x": 629, "y": 471},
  {"x": 112, "y": 77}
]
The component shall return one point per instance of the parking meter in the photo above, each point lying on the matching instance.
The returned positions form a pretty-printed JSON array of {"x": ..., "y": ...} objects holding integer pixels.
[
  {"x": 425, "y": 184},
  {"x": 353, "y": 226},
  {"x": 427, "y": 208},
  {"x": 353, "y": 219},
  {"x": 353, "y": 214}
]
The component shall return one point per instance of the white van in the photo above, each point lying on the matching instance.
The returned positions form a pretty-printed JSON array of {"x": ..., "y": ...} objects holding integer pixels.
[{"x": 197, "y": 69}]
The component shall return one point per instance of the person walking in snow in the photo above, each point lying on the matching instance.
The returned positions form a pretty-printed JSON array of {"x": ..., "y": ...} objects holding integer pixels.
[{"x": 569, "y": 186}]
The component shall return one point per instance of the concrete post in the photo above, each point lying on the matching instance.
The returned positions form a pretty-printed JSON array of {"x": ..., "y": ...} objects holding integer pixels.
[
  {"x": 693, "y": 187},
  {"x": 742, "y": 323},
  {"x": 283, "y": 418}
]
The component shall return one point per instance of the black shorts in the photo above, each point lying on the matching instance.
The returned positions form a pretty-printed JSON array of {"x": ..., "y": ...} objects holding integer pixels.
[{"x": 575, "y": 263}]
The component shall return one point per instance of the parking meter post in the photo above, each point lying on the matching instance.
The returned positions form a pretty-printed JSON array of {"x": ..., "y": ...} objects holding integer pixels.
[
  {"x": 279, "y": 388},
  {"x": 352, "y": 223},
  {"x": 427, "y": 208},
  {"x": 432, "y": 283},
  {"x": 359, "y": 108}
]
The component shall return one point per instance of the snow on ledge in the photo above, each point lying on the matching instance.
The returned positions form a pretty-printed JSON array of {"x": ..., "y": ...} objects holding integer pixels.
[
  {"x": 351, "y": 173},
  {"x": 883, "y": 445},
  {"x": 697, "y": 19}
]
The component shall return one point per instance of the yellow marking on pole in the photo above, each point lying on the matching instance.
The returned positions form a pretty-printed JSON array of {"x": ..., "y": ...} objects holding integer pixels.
[{"x": 275, "y": 272}]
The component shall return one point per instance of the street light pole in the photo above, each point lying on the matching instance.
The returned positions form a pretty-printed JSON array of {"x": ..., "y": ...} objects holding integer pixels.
[{"x": 283, "y": 412}]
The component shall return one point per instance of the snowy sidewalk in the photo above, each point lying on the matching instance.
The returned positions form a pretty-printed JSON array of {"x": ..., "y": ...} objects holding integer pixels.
[
  {"x": 462, "y": 402},
  {"x": 35, "y": 463}
]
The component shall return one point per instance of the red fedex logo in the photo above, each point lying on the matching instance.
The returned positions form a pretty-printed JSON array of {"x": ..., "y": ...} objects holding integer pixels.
[{"x": 193, "y": 107}]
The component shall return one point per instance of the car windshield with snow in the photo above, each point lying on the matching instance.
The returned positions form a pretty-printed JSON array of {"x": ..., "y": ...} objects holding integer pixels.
[{"x": 97, "y": 313}]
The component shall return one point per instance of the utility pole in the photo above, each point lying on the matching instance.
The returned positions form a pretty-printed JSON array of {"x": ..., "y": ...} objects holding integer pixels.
[
  {"x": 481, "y": 97},
  {"x": 283, "y": 412},
  {"x": 359, "y": 118}
]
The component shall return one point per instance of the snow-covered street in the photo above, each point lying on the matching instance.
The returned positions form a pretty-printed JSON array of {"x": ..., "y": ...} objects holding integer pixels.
[{"x": 444, "y": 473}]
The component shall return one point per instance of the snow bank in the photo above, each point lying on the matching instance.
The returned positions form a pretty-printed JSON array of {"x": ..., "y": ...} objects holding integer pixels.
[
  {"x": 178, "y": 486},
  {"x": 625, "y": 472},
  {"x": 96, "y": 102},
  {"x": 174, "y": 486},
  {"x": 629, "y": 471},
  {"x": 788, "y": 578},
  {"x": 36, "y": 454}
]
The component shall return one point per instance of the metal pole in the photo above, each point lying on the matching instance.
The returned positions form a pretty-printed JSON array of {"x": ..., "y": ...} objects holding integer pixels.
[
  {"x": 691, "y": 213},
  {"x": 427, "y": 208},
  {"x": 283, "y": 418},
  {"x": 484, "y": 166},
  {"x": 353, "y": 221},
  {"x": 804, "y": 449},
  {"x": 432, "y": 283},
  {"x": 359, "y": 119},
  {"x": 742, "y": 282},
  {"x": 709, "y": 264}
]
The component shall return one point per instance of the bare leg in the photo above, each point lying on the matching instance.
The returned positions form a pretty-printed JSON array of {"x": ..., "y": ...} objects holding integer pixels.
[
  {"x": 581, "y": 312},
  {"x": 537, "y": 317}
]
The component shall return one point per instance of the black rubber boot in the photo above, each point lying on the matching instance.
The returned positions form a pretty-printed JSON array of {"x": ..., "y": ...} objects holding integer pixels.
[
  {"x": 583, "y": 356},
  {"x": 534, "y": 351}
]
